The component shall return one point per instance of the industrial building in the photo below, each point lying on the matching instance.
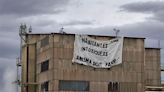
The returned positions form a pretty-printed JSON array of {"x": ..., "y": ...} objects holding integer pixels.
[{"x": 47, "y": 66}]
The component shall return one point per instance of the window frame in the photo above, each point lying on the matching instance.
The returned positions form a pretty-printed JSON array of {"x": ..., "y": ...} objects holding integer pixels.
[
  {"x": 113, "y": 87},
  {"x": 44, "y": 66},
  {"x": 45, "y": 86},
  {"x": 74, "y": 85}
]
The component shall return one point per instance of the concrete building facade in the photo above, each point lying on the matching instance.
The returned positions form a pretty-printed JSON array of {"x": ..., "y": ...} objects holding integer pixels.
[{"x": 47, "y": 66}]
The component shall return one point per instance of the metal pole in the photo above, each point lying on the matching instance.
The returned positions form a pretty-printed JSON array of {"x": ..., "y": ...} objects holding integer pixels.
[
  {"x": 22, "y": 34},
  {"x": 116, "y": 31},
  {"x": 17, "y": 77},
  {"x": 17, "y": 74}
]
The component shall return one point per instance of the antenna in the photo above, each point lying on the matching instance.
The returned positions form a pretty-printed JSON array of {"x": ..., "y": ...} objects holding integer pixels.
[
  {"x": 22, "y": 29},
  {"x": 30, "y": 29},
  {"x": 22, "y": 32},
  {"x": 61, "y": 30},
  {"x": 116, "y": 31},
  {"x": 17, "y": 81}
]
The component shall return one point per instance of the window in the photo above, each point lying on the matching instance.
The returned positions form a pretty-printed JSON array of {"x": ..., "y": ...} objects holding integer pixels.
[
  {"x": 45, "y": 41},
  {"x": 113, "y": 87},
  {"x": 44, "y": 66},
  {"x": 70, "y": 85},
  {"x": 44, "y": 87}
]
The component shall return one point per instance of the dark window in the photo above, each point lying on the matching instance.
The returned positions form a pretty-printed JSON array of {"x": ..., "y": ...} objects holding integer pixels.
[
  {"x": 70, "y": 85},
  {"x": 45, "y": 41},
  {"x": 44, "y": 66},
  {"x": 44, "y": 87},
  {"x": 113, "y": 87}
]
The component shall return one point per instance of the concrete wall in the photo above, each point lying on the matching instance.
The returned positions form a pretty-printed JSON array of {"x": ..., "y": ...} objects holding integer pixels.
[
  {"x": 152, "y": 67},
  {"x": 28, "y": 60},
  {"x": 129, "y": 73}
]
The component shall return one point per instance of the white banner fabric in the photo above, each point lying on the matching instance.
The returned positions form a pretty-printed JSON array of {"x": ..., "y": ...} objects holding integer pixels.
[{"x": 97, "y": 53}]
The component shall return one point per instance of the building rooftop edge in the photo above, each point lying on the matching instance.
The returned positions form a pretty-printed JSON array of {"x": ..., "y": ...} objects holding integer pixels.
[
  {"x": 152, "y": 48},
  {"x": 84, "y": 34}
]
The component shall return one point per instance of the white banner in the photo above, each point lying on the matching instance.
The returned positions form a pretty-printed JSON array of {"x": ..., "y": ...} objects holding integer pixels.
[{"x": 96, "y": 53}]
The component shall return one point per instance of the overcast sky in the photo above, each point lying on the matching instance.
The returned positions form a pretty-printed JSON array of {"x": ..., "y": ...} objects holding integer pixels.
[{"x": 139, "y": 18}]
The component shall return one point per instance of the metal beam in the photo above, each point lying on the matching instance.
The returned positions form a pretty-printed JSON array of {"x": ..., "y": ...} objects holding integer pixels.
[{"x": 162, "y": 69}]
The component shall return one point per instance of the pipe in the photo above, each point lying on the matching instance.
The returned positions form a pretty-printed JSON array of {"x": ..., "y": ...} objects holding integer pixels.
[{"x": 27, "y": 62}]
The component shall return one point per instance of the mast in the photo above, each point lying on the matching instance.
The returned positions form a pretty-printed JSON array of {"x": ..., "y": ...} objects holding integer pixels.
[{"x": 22, "y": 34}]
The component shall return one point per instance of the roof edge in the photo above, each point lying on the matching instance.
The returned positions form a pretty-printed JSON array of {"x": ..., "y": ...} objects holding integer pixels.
[
  {"x": 152, "y": 48},
  {"x": 85, "y": 34}
]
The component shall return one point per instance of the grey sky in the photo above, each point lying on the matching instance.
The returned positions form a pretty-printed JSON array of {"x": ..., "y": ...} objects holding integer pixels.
[
  {"x": 133, "y": 17},
  {"x": 156, "y": 9},
  {"x": 31, "y": 7}
]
